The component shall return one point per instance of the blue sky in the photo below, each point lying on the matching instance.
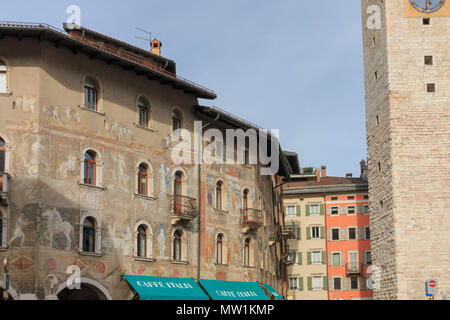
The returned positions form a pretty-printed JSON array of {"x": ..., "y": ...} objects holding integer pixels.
[{"x": 294, "y": 65}]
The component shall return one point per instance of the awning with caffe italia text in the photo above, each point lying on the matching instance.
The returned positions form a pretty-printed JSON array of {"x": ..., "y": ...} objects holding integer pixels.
[
  {"x": 160, "y": 288},
  {"x": 272, "y": 291},
  {"x": 231, "y": 290}
]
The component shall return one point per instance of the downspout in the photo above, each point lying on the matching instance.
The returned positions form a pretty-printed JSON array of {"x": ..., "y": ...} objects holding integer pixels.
[{"x": 199, "y": 157}]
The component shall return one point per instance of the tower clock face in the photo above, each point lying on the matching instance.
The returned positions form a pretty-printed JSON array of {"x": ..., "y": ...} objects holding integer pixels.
[{"x": 427, "y": 6}]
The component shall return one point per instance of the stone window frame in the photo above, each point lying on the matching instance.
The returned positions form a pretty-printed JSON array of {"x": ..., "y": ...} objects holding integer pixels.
[
  {"x": 100, "y": 91},
  {"x": 184, "y": 181},
  {"x": 149, "y": 111},
  {"x": 148, "y": 241},
  {"x": 184, "y": 246},
  {"x": 7, "y": 152},
  {"x": 332, "y": 284},
  {"x": 251, "y": 253},
  {"x": 98, "y": 168},
  {"x": 150, "y": 183},
  {"x": 223, "y": 193},
  {"x": 224, "y": 249},
  {"x": 8, "y": 76},
  {"x": 341, "y": 259},
  {"x": 98, "y": 234}
]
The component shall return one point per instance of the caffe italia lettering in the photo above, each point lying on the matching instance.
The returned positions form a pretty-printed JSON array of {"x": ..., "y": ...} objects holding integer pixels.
[
  {"x": 166, "y": 285},
  {"x": 236, "y": 294}
]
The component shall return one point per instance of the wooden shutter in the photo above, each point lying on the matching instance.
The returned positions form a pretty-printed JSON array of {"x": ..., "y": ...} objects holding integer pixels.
[
  {"x": 330, "y": 261},
  {"x": 309, "y": 283},
  {"x": 298, "y": 210},
  {"x": 299, "y": 233},
  {"x": 300, "y": 283},
  {"x": 325, "y": 283},
  {"x": 328, "y": 211},
  {"x": 322, "y": 232},
  {"x": 307, "y": 210},
  {"x": 331, "y": 284},
  {"x": 324, "y": 257},
  {"x": 342, "y": 259},
  {"x": 308, "y": 233},
  {"x": 342, "y": 210},
  {"x": 341, "y": 234},
  {"x": 322, "y": 209},
  {"x": 362, "y": 283},
  {"x": 346, "y": 234},
  {"x": 358, "y": 233},
  {"x": 299, "y": 258},
  {"x": 330, "y": 236},
  {"x": 364, "y": 258},
  {"x": 363, "y": 233},
  {"x": 309, "y": 257}
]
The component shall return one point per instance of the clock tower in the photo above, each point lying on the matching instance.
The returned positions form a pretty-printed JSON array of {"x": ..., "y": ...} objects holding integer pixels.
[{"x": 407, "y": 83}]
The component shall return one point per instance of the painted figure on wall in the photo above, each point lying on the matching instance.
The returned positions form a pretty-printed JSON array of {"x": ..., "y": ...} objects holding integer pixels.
[
  {"x": 161, "y": 241},
  {"x": 68, "y": 165},
  {"x": 55, "y": 226},
  {"x": 164, "y": 182},
  {"x": 122, "y": 170},
  {"x": 33, "y": 165},
  {"x": 21, "y": 223}
]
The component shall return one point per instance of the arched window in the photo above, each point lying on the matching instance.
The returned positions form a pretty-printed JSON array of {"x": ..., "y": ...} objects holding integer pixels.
[
  {"x": 220, "y": 249},
  {"x": 143, "y": 179},
  {"x": 90, "y": 167},
  {"x": 176, "y": 120},
  {"x": 3, "y": 77},
  {"x": 177, "y": 240},
  {"x": 142, "y": 241},
  {"x": 178, "y": 192},
  {"x": 90, "y": 94},
  {"x": 144, "y": 110},
  {"x": 247, "y": 253},
  {"x": 219, "y": 195},
  {"x": 89, "y": 227},
  {"x": 245, "y": 199},
  {"x": 2, "y": 155}
]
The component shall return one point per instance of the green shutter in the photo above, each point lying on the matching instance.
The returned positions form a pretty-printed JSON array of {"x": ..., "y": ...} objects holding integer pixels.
[
  {"x": 308, "y": 233},
  {"x": 325, "y": 283},
  {"x": 298, "y": 210},
  {"x": 299, "y": 233},
  {"x": 323, "y": 257},
  {"x": 299, "y": 258},
  {"x": 307, "y": 209},
  {"x": 309, "y": 257},
  {"x": 300, "y": 284},
  {"x": 322, "y": 209},
  {"x": 309, "y": 283},
  {"x": 322, "y": 232}
]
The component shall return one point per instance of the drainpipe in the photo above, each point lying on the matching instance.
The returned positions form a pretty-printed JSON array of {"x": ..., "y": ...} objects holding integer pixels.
[{"x": 199, "y": 157}]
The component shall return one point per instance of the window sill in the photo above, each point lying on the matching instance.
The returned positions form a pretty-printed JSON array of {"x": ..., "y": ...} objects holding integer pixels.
[
  {"x": 221, "y": 265},
  {"x": 3, "y": 249},
  {"x": 90, "y": 254},
  {"x": 141, "y": 196},
  {"x": 179, "y": 262},
  {"x": 144, "y": 259},
  {"x": 90, "y": 186},
  {"x": 220, "y": 211},
  {"x": 151, "y": 130},
  {"x": 6, "y": 94},
  {"x": 101, "y": 113},
  {"x": 248, "y": 267}
]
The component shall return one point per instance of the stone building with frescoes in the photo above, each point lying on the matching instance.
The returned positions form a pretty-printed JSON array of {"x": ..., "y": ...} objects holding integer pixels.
[{"x": 90, "y": 190}]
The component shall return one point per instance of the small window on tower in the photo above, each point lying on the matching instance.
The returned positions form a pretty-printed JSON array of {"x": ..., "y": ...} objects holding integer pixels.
[
  {"x": 431, "y": 87},
  {"x": 429, "y": 60},
  {"x": 376, "y": 75},
  {"x": 426, "y": 21},
  {"x": 377, "y": 120}
]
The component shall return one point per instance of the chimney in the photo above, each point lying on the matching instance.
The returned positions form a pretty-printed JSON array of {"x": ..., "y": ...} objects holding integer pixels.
[
  {"x": 155, "y": 46},
  {"x": 349, "y": 176},
  {"x": 318, "y": 175},
  {"x": 324, "y": 171}
]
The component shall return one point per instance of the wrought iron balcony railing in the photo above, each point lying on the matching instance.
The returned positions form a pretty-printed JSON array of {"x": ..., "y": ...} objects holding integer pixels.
[
  {"x": 252, "y": 219},
  {"x": 289, "y": 231},
  {"x": 4, "y": 187},
  {"x": 353, "y": 268},
  {"x": 183, "y": 208}
]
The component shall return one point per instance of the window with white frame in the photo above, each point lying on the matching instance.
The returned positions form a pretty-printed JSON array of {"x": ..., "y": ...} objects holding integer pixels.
[
  {"x": 317, "y": 283},
  {"x": 337, "y": 283},
  {"x": 352, "y": 233},
  {"x": 351, "y": 210},
  {"x": 221, "y": 249},
  {"x": 315, "y": 232},
  {"x": 91, "y": 168},
  {"x": 336, "y": 256},
  {"x": 90, "y": 235},
  {"x": 335, "y": 234},
  {"x": 177, "y": 245},
  {"x": 293, "y": 283},
  {"x": 290, "y": 210},
  {"x": 219, "y": 195},
  {"x": 3, "y": 77},
  {"x": 335, "y": 211},
  {"x": 316, "y": 257},
  {"x": 143, "y": 245},
  {"x": 314, "y": 209}
]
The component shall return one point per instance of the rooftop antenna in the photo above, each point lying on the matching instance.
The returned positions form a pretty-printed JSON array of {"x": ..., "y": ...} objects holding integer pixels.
[{"x": 149, "y": 33}]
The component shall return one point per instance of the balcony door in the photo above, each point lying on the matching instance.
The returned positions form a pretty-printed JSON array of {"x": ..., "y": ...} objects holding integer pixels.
[
  {"x": 177, "y": 192},
  {"x": 353, "y": 259}
]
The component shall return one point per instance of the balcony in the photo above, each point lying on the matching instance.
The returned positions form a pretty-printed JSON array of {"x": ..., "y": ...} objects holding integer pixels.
[
  {"x": 4, "y": 188},
  {"x": 252, "y": 219},
  {"x": 274, "y": 235},
  {"x": 182, "y": 209},
  {"x": 289, "y": 231},
  {"x": 289, "y": 259},
  {"x": 353, "y": 269}
]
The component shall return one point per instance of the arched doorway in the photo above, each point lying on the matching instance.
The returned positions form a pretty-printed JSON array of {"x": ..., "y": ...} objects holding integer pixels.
[
  {"x": 90, "y": 290},
  {"x": 1, "y": 295}
]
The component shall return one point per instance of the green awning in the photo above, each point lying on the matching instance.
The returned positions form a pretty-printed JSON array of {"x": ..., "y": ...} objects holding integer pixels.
[
  {"x": 159, "y": 288},
  {"x": 272, "y": 291},
  {"x": 231, "y": 290}
]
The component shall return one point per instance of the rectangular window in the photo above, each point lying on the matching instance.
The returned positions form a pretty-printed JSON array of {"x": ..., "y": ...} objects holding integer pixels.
[
  {"x": 336, "y": 259},
  {"x": 337, "y": 284},
  {"x": 315, "y": 232},
  {"x": 334, "y": 198},
  {"x": 334, "y": 211},
  {"x": 354, "y": 283},
  {"x": 317, "y": 283},
  {"x": 366, "y": 209},
  {"x": 293, "y": 284},
  {"x": 351, "y": 198},
  {"x": 429, "y": 60},
  {"x": 314, "y": 209},
  {"x": 369, "y": 258},
  {"x": 316, "y": 257},
  {"x": 367, "y": 230},
  {"x": 290, "y": 211},
  {"x": 335, "y": 234},
  {"x": 351, "y": 210},
  {"x": 352, "y": 233},
  {"x": 431, "y": 87}
]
